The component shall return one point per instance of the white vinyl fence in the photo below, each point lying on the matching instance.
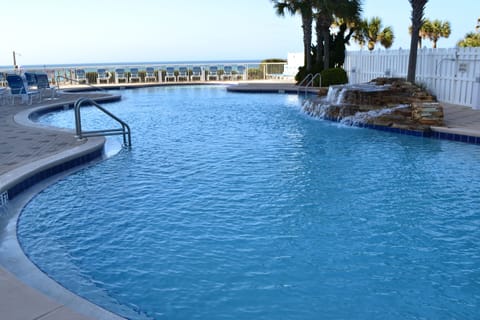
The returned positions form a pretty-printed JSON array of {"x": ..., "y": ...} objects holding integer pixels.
[{"x": 453, "y": 75}]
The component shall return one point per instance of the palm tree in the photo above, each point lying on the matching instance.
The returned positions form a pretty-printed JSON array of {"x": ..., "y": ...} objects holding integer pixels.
[
  {"x": 371, "y": 32},
  {"x": 418, "y": 8},
  {"x": 433, "y": 30},
  {"x": 472, "y": 39},
  {"x": 325, "y": 13},
  {"x": 304, "y": 8}
]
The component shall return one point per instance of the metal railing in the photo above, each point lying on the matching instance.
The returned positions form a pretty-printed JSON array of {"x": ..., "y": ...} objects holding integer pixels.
[
  {"x": 80, "y": 134},
  {"x": 310, "y": 83},
  {"x": 310, "y": 78}
]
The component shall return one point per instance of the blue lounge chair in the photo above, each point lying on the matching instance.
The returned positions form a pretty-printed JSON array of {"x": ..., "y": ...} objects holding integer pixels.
[
  {"x": 134, "y": 75},
  {"x": 227, "y": 73},
  {"x": 120, "y": 75},
  {"x": 19, "y": 88},
  {"x": 150, "y": 74},
  {"x": 183, "y": 74},
  {"x": 103, "y": 75},
  {"x": 43, "y": 85},
  {"x": 81, "y": 76},
  {"x": 170, "y": 74},
  {"x": 31, "y": 79},
  {"x": 213, "y": 73},
  {"x": 241, "y": 74},
  {"x": 196, "y": 73}
]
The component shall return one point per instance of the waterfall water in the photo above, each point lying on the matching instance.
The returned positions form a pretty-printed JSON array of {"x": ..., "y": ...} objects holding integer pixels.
[
  {"x": 336, "y": 94},
  {"x": 364, "y": 117}
]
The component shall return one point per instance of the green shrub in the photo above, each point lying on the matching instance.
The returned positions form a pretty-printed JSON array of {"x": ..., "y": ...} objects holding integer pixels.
[
  {"x": 333, "y": 76},
  {"x": 255, "y": 74}
]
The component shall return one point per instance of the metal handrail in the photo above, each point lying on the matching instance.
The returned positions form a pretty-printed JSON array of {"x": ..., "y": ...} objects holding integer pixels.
[
  {"x": 310, "y": 83},
  {"x": 80, "y": 134},
  {"x": 301, "y": 82},
  {"x": 310, "y": 77}
]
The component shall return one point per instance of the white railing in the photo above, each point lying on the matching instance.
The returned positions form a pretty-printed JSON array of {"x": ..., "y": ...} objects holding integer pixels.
[
  {"x": 251, "y": 70},
  {"x": 452, "y": 75}
]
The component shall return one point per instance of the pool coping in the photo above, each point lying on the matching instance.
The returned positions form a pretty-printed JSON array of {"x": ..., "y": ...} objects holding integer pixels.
[{"x": 47, "y": 299}]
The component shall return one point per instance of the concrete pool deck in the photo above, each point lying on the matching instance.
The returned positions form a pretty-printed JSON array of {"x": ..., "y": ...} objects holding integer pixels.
[{"x": 24, "y": 146}]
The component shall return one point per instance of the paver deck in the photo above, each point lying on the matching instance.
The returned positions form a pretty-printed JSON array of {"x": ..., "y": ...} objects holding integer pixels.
[{"x": 21, "y": 145}]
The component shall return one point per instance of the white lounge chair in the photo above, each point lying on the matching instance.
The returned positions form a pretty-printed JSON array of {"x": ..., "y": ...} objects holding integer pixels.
[
  {"x": 170, "y": 74},
  {"x": 150, "y": 74},
  {"x": 134, "y": 75},
  {"x": 241, "y": 73},
  {"x": 81, "y": 76},
  {"x": 196, "y": 74},
  {"x": 183, "y": 74},
  {"x": 227, "y": 73},
  {"x": 103, "y": 75},
  {"x": 213, "y": 73},
  {"x": 120, "y": 75}
]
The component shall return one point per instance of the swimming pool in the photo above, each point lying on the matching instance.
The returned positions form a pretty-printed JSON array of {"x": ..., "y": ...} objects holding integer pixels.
[{"x": 240, "y": 206}]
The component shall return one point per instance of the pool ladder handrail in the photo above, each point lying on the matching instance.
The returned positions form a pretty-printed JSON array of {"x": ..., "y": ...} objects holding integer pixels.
[
  {"x": 80, "y": 134},
  {"x": 310, "y": 77}
]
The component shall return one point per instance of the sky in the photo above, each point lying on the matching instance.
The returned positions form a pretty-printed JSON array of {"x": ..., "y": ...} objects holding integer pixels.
[{"x": 44, "y": 32}]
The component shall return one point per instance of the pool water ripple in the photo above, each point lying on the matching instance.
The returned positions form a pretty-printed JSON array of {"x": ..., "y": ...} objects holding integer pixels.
[{"x": 236, "y": 206}]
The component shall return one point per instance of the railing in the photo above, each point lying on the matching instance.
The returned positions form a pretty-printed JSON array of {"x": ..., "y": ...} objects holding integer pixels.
[
  {"x": 310, "y": 83},
  {"x": 66, "y": 75},
  {"x": 300, "y": 84},
  {"x": 310, "y": 78},
  {"x": 124, "y": 130},
  {"x": 78, "y": 81}
]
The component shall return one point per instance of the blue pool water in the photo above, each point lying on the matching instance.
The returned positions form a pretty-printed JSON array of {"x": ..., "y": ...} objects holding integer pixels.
[{"x": 238, "y": 206}]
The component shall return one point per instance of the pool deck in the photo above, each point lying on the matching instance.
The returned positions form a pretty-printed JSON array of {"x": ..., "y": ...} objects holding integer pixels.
[{"x": 25, "y": 146}]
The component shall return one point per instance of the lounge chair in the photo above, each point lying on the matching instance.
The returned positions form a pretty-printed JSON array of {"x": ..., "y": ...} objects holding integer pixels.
[
  {"x": 120, "y": 75},
  {"x": 31, "y": 79},
  {"x": 196, "y": 73},
  {"x": 150, "y": 74},
  {"x": 19, "y": 88},
  {"x": 43, "y": 85},
  {"x": 212, "y": 73},
  {"x": 183, "y": 74},
  {"x": 134, "y": 75},
  {"x": 81, "y": 76},
  {"x": 241, "y": 74},
  {"x": 170, "y": 74},
  {"x": 227, "y": 73},
  {"x": 103, "y": 75}
]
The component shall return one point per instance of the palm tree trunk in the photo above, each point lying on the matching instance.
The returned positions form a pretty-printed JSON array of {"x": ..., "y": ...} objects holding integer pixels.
[
  {"x": 320, "y": 39},
  {"x": 326, "y": 49},
  {"x": 307, "y": 41},
  {"x": 418, "y": 7}
]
